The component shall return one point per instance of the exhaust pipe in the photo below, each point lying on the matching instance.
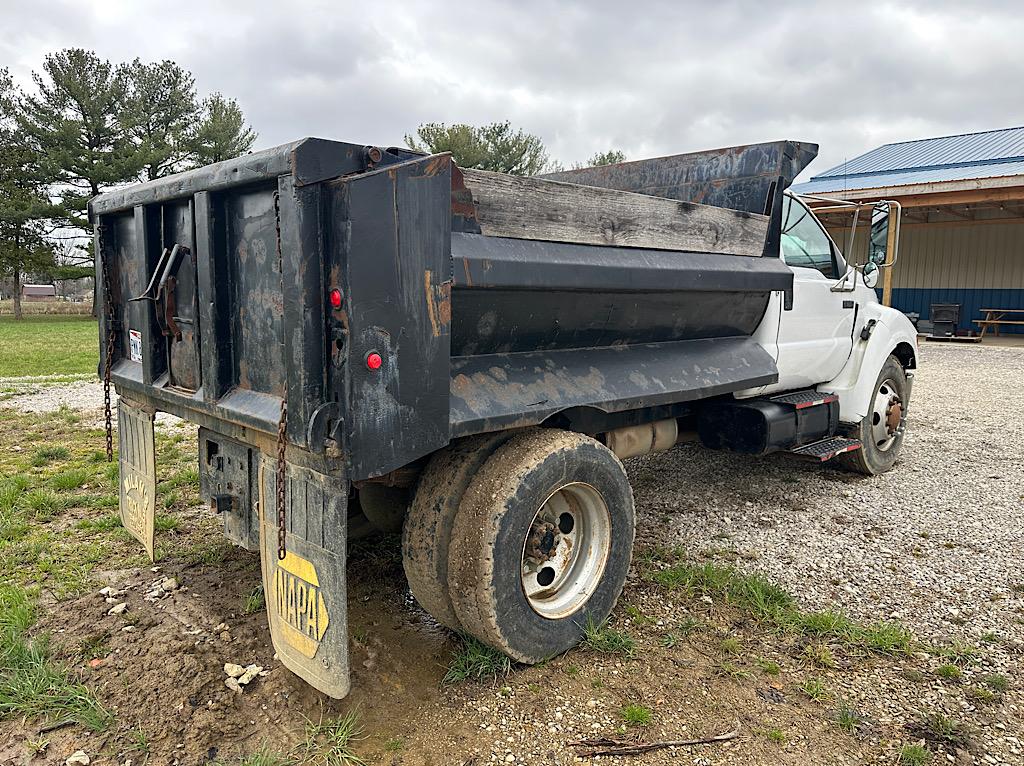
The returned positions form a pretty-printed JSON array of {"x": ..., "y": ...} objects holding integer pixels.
[{"x": 633, "y": 441}]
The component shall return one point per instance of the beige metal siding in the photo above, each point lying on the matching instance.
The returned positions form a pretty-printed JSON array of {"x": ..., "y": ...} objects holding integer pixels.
[
  {"x": 954, "y": 255},
  {"x": 967, "y": 256}
]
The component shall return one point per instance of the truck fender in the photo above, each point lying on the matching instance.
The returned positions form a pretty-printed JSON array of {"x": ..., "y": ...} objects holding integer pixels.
[{"x": 881, "y": 331}]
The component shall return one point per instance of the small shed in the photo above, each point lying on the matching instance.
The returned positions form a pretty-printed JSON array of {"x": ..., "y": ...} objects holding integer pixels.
[
  {"x": 962, "y": 239},
  {"x": 38, "y": 292}
]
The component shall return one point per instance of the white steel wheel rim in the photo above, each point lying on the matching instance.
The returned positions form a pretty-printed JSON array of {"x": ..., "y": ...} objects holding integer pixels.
[
  {"x": 566, "y": 550},
  {"x": 886, "y": 416}
]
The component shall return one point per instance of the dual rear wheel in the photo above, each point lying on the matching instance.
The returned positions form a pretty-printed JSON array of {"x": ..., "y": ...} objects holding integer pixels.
[{"x": 521, "y": 539}]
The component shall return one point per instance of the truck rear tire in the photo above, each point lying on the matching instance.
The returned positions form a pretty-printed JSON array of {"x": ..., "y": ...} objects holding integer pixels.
[
  {"x": 881, "y": 430},
  {"x": 427, "y": 531},
  {"x": 541, "y": 543}
]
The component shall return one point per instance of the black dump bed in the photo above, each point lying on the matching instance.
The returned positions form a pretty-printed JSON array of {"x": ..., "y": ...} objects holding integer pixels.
[{"x": 490, "y": 302}]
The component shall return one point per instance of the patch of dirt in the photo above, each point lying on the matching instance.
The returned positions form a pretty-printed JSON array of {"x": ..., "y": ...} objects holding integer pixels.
[{"x": 162, "y": 672}]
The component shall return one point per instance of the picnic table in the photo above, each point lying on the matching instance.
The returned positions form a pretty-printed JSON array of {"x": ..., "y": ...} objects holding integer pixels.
[{"x": 995, "y": 318}]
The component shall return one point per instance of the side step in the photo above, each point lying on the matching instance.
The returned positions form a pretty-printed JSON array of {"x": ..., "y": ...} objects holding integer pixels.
[
  {"x": 803, "y": 399},
  {"x": 826, "y": 449}
]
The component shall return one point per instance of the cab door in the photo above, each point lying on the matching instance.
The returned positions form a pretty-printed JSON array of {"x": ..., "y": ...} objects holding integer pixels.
[{"x": 815, "y": 337}]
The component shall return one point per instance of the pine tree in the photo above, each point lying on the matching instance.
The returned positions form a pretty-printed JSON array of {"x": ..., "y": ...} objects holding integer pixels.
[
  {"x": 159, "y": 114},
  {"x": 25, "y": 209},
  {"x": 222, "y": 133},
  {"x": 73, "y": 121}
]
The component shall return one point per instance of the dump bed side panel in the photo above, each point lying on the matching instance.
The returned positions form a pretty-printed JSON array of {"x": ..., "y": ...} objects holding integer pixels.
[{"x": 737, "y": 177}]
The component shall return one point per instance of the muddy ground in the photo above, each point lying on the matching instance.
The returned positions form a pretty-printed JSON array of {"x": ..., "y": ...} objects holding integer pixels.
[{"x": 701, "y": 663}]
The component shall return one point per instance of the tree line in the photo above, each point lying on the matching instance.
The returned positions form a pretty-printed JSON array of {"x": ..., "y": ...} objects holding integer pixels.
[
  {"x": 497, "y": 147},
  {"x": 88, "y": 124}
]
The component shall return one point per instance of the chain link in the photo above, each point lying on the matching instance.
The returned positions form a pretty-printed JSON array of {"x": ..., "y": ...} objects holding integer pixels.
[
  {"x": 108, "y": 319},
  {"x": 282, "y": 423},
  {"x": 281, "y": 479}
]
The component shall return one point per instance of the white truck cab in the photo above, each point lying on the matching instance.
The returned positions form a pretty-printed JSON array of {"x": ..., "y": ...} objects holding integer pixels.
[{"x": 836, "y": 337}]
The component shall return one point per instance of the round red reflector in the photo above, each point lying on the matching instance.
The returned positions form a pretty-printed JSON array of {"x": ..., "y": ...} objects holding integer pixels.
[
  {"x": 335, "y": 297},
  {"x": 374, "y": 360}
]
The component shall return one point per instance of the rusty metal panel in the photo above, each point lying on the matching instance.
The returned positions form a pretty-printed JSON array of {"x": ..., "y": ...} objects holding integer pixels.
[
  {"x": 304, "y": 311},
  {"x": 392, "y": 235},
  {"x": 213, "y": 296},
  {"x": 257, "y": 309},
  {"x": 491, "y": 392},
  {"x": 737, "y": 177}
]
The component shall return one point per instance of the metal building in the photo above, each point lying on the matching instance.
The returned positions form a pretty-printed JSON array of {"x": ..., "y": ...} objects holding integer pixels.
[{"x": 963, "y": 208}]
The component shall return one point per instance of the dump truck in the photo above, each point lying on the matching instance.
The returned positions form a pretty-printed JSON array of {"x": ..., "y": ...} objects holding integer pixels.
[{"x": 370, "y": 338}]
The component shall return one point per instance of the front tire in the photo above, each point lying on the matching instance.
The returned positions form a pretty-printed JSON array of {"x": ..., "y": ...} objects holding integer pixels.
[
  {"x": 541, "y": 543},
  {"x": 881, "y": 431}
]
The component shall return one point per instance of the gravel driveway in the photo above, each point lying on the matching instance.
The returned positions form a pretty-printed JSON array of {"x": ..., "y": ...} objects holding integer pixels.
[{"x": 935, "y": 543}]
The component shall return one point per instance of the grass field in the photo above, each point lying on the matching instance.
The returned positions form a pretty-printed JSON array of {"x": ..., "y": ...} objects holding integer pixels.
[{"x": 48, "y": 345}]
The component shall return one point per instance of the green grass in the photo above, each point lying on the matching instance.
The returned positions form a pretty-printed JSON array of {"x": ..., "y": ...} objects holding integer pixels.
[
  {"x": 48, "y": 345},
  {"x": 602, "y": 638},
  {"x": 637, "y": 715},
  {"x": 996, "y": 682},
  {"x": 957, "y": 652},
  {"x": 329, "y": 743},
  {"x": 46, "y": 455},
  {"x": 254, "y": 601},
  {"x": 771, "y": 604},
  {"x": 815, "y": 689},
  {"x": 848, "y": 719},
  {"x": 774, "y": 734},
  {"x": 820, "y": 655},
  {"x": 474, "y": 660},
  {"x": 263, "y": 756},
  {"x": 914, "y": 755},
  {"x": 32, "y": 684},
  {"x": 941, "y": 730},
  {"x": 948, "y": 672}
]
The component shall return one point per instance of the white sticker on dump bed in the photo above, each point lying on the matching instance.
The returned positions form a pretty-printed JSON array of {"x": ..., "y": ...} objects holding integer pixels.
[{"x": 135, "y": 345}]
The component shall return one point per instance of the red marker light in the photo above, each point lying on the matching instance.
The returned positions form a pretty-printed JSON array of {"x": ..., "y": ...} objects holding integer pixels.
[
  {"x": 335, "y": 297},
  {"x": 374, "y": 360}
]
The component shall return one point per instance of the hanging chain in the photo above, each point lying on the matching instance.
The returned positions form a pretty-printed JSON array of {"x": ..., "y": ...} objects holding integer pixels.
[
  {"x": 108, "y": 320},
  {"x": 282, "y": 422}
]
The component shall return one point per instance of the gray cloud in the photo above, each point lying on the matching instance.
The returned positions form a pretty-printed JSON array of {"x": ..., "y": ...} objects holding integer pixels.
[{"x": 647, "y": 77}]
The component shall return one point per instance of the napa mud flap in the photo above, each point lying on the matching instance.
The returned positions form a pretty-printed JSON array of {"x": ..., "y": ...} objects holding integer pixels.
[
  {"x": 305, "y": 591},
  {"x": 137, "y": 457}
]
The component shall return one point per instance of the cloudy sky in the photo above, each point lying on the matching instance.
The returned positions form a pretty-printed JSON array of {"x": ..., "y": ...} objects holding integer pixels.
[{"x": 649, "y": 78}]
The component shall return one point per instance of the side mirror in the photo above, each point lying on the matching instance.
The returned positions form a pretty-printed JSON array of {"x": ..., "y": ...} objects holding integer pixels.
[
  {"x": 870, "y": 273},
  {"x": 878, "y": 241}
]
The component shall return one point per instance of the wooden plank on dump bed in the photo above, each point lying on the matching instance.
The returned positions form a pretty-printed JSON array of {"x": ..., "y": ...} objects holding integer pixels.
[{"x": 531, "y": 208}]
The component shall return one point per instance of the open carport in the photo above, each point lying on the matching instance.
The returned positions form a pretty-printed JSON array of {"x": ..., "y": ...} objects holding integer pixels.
[{"x": 963, "y": 205}]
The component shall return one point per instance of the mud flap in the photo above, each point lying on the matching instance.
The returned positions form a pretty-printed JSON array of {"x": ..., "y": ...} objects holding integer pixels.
[
  {"x": 136, "y": 449},
  {"x": 305, "y": 592}
]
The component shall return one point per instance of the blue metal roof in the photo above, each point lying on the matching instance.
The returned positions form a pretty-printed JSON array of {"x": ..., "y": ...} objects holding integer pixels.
[{"x": 988, "y": 154}]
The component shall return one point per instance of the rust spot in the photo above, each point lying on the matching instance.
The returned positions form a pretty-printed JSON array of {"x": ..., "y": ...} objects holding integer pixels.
[
  {"x": 439, "y": 303},
  {"x": 462, "y": 197},
  {"x": 437, "y": 165},
  {"x": 243, "y": 375}
]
